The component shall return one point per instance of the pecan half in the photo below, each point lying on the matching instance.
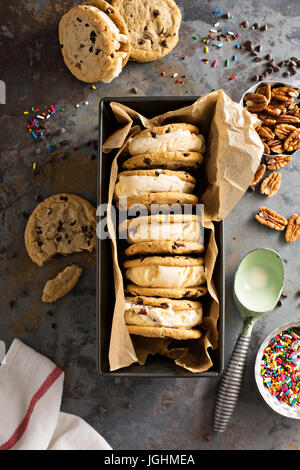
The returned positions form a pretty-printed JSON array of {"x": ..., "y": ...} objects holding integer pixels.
[
  {"x": 292, "y": 143},
  {"x": 273, "y": 110},
  {"x": 267, "y": 121},
  {"x": 281, "y": 97},
  {"x": 258, "y": 174},
  {"x": 255, "y": 102},
  {"x": 271, "y": 184},
  {"x": 282, "y": 131},
  {"x": 265, "y": 132},
  {"x": 293, "y": 229},
  {"x": 285, "y": 90},
  {"x": 276, "y": 163},
  {"x": 276, "y": 146},
  {"x": 271, "y": 219},
  {"x": 265, "y": 90},
  {"x": 288, "y": 118},
  {"x": 266, "y": 147}
]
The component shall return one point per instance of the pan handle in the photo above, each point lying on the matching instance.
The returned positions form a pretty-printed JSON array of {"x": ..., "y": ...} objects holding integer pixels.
[{"x": 231, "y": 383}]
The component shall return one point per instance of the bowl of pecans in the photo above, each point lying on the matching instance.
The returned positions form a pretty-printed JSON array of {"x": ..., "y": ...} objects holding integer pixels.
[{"x": 277, "y": 106}]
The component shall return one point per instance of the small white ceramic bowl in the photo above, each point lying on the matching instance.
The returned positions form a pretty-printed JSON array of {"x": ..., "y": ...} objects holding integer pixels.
[{"x": 280, "y": 407}]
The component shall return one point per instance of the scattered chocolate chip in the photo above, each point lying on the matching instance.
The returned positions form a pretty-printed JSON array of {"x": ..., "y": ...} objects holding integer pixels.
[
  {"x": 245, "y": 24},
  {"x": 284, "y": 294},
  {"x": 256, "y": 26},
  {"x": 24, "y": 292},
  {"x": 14, "y": 255},
  {"x": 112, "y": 55},
  {"x": 286, "y": 74},
  {"x": 73, "y": 223},
  {"x": 87, "y": 25},
  {"x": 227, "y": 15},
  {"x": 264, "y": 27},
  {"x": 293, "y": 70},
  {"x": 134, "y": 90},
  {"x": 254, "y": 53},
  {"x": 54, "y": 326},
  {"x": 258, "y": 48},
  {"x": 12, "y": 303},
  {"x": 50, "y": 313},
  {"x": 97, "y": 51},
  {"x": 93, "y": 156},
  {"x": 255, "y": 78},
  {"x": 279, "y": 303},
  {"x": 25, "y": 215},
  {"x": 276, "y": 68},
  {"x": 281, "y": 64}
]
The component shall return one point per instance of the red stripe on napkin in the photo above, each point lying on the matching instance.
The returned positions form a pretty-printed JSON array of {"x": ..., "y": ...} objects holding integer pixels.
[{"x": 16, "y": 436}]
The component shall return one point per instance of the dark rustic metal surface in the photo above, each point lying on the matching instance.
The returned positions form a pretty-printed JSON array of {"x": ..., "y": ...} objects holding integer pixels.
[{"x": 134, "y": 413}]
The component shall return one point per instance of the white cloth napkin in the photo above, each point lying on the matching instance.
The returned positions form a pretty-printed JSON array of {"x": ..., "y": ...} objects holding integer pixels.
[{"x": 31, "y": 388}]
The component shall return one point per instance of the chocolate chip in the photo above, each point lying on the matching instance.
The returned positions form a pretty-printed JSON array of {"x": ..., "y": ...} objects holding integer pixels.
[
  {"x": 139, "y": 301},
  {"x": 276, "y": 68},
  {"x": 256, "y": 26},
  {"x": 73, "y": 223},
  {"x": 84, "y": 228},
  {"x": 82, "y": 46},
  {"x": 101, "y": 410},
  {"x": 40, "y": 243},
  {"x": 141, "y": 41},
  {"x": 143, "y": 311},
  {"x": 134, "y": 90},
  {"x": 61, "y": 46},
  {"x": 186, "y": 154},
  {"x": 25, "y": 215},
  {"x": 87, "y": 25},
  {"x": 268, "y": 57},
  {"x": 91, "y": 49},
  {"x": 145, "y": 28},
  {"x": 156, "y": 13},
  {"x": 164, "y": 43},
  {"x": 177, "y": 245},
  {"x": 97, "y": 51},
  {"x": 286, "y": 74},
  {"x": 78, "y": 19},
  {"x": 12, "y": 303},
  {"x": 109, "y": 11},
  {"x": 164, "y": 305},
  {"x": 112, "y": 55},
  {"x": 293, "y": 70},
  {"x": 58, "y": 238},
  {"x": 279, "y": 303},
  {"x": 49, "y": 211},
  {"x": 253, "y": 53},
  {"x": 264, "y": 28},
  {"x": 147, "y": 160},
  {"x": 153, "y": 134},
  {"x": 54, "y": 326},
  {"x": 157, "y": 172},
  {"x": 281, "y": 64},
  {"x": 258, "y": 48},
  {"x": 255, "y": 78},
  {"x": 284, "y": 294}
]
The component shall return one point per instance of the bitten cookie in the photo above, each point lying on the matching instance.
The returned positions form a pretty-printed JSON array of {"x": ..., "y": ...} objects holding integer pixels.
[
  {"x": 61, "y": 224},
  {"x": 168, "y": 138},
  {"x": 94, "y": 41},
  {"x": 165, "y": 271},
  {"x": 62, "y": 284},
  {"x": 171, "y": 292},
  {"x": 171, "y": 160},
  {"x": 153, "y": 27}
]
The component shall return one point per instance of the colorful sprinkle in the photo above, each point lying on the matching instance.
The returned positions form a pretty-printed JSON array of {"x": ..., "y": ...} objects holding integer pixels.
[
  {"x": 215, "y": 63},
  {"x": 280, "y": 367},
  {"x": 234, "y": 58},
  {"x": 227, "y": 63},
  {"x": 233, "y": 77},
  {"x": 216, "y": 12}
]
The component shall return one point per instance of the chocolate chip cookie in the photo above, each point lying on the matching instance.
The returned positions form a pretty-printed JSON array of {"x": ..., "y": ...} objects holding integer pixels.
[
  {"x": 153, "y": 27},
  {"x": 61, "y": 224}
]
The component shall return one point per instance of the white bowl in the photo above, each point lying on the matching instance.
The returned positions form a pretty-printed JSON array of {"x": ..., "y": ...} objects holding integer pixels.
[
  {"x": 280, "y": 407},
  {"x": 252, "y": 89}
]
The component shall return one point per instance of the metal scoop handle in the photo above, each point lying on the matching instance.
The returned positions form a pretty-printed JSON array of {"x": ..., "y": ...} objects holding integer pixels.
[{"x": 231, "y": 383}]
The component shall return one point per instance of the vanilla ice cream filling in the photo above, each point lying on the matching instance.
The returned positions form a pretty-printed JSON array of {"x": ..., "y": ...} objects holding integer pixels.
[
  {"x": 117, "y": 36},
  {"x": 135, "y": 185},
  {"x": 189, "y": 232},
  {"x": 146, "y": 315},
  {"x": 180, "y": 139},
  {"x": 166, "y": 276}
]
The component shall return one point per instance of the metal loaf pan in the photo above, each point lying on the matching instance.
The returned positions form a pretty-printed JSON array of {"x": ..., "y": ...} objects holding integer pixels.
[{"x": 156, "y": 366}]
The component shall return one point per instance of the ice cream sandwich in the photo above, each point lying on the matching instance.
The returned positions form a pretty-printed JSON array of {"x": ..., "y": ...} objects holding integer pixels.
[{"x": 163, "y": 317}]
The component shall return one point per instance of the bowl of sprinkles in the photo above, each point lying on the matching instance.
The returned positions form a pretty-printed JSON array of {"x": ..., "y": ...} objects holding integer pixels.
[{"x": 277, "y": 370}]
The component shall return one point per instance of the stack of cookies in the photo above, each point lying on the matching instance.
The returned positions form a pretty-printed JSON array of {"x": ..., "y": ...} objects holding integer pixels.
[
  {"x": 97, "y": 38},
  {"x": 164, "y": 268}
]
